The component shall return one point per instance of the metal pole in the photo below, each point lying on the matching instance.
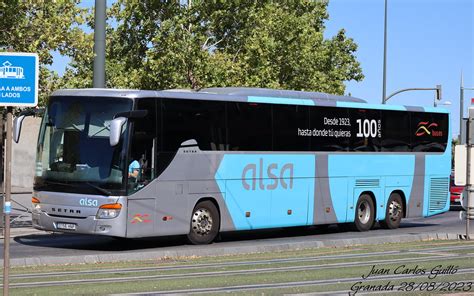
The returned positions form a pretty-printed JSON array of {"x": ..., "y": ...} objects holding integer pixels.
[
  {"x": 2, "y": 163},
  {"x": 437, "y": 89},
  {"x": 468, "y": 177},
  {"x": 7, "y": 203},
  {"x": 462, "y": 131},
  {"x": 461, "y": 110},
  {"x": 99, "y": 44},
  {"x": 468, "y": 171},
  {"x": 384, "y": 87}
]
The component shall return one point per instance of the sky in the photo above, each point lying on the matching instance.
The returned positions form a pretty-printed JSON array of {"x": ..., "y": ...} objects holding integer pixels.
[{"x": 429, "y": 42}]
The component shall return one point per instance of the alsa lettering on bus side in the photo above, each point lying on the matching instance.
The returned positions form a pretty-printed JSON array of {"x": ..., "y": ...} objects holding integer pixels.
[
  {"x": 426, "y": 128},
  {"x": 277, "y": 176},
  {"x": 88, "y": 202}
]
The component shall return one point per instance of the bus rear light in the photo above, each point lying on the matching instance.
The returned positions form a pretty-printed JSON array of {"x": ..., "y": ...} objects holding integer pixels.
[{"x": 109, "y": 211}]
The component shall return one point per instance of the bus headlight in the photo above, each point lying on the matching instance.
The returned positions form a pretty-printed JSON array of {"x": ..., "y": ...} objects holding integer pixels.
[{"x": 109, "y": 211}]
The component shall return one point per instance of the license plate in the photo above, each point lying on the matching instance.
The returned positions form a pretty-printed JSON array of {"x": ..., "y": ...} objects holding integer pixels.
[{"x": 66, "y": 226}]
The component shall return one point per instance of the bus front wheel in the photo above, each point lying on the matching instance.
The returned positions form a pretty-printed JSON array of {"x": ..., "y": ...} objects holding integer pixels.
[
  {"x": 365, "y": 213},
  {"x": 205, "y": 223},
  {"x": 394, "y": 212}
]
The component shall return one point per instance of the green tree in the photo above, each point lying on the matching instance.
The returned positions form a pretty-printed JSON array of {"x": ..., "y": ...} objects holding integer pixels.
[
  {"x": 276, "y": 44},
  {"x": 42, "y": 27}
]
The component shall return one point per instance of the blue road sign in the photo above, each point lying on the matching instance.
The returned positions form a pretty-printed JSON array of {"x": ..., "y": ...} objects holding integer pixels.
[{"x": 18, "y": 79}]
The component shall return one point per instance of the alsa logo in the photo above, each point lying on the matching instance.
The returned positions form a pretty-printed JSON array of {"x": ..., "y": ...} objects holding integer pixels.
[
  {"x": 276, "y": 175},
  {"x": 427, "y": 128},
  {"x": 88, "y": 202}
]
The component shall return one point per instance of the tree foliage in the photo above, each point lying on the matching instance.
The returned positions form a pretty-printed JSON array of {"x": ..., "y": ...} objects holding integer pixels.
[
  {"x": 275, "y": 44},
  {"x": 42, "y": 27},
  {"x": 164, "y": 44}
]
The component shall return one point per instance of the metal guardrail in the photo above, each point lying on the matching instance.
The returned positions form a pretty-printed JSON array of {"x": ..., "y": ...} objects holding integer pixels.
[{"x": 24, "y": 211}]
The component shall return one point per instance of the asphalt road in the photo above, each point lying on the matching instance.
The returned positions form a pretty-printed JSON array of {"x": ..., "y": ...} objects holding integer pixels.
[{"x": 63, "y": 245}]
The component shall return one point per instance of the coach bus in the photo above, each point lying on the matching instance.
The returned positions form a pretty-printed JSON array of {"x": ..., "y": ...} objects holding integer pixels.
[{"x": 134, "y": 163}]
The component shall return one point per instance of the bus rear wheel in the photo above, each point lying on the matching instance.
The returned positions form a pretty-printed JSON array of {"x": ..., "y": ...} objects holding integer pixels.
[
  {"x": 205, "y": 223},
  {"x": 365, "y": 213},
  {"x": 394, "y": 212}
]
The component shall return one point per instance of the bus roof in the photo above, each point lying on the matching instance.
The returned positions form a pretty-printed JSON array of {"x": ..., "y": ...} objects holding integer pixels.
[{"x": 243, "y": 94}]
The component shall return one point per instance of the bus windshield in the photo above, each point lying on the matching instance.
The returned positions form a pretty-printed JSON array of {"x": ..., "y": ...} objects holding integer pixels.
[{"x": 74, "y": 154}]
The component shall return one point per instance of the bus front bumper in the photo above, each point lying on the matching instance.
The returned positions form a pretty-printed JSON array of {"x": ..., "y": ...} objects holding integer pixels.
[{"x": 84, "y": 225}]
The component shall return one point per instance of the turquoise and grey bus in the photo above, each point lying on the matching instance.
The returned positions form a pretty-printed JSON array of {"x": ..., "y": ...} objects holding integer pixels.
[{"x": 229, "y": 159}]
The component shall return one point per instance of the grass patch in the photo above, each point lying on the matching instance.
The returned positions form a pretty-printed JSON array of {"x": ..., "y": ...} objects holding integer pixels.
[{"x": 250, "y": 276}]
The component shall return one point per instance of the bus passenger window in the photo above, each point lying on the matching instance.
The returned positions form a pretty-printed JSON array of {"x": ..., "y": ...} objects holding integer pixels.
[
  {"x": 290, "y": 128},
  {"x": 203, "y": 121},
  {"x": 429, "y": 131},
  {"x": 249, "y": 126},
  {"x": 144, "y": 147},
  {"x": 367, "y": 133},
  {"x": 330, "y": 129},
  {"x": 395, "y": 131}
]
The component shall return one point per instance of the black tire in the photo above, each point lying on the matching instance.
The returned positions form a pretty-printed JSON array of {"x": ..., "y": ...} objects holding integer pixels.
[
  {"x": 205, "y": 223},
  {"x": 393, "y": 212},
  {"x": 364, "y": 213}
]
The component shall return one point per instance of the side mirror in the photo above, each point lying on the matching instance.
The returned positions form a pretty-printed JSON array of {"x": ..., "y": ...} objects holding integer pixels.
[
  {"x": 17, "y": 123},
  {"x": 116, "y": 126}
]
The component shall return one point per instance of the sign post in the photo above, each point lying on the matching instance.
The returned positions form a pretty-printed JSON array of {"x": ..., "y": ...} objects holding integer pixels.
[
  {"x": 18, "y": 87},
  {"x": 464, "y": 170},
  {"x": 469, "y": 167}
]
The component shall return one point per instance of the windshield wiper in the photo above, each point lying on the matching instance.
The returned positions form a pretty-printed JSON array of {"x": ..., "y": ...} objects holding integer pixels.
[
  {"x": 101, "y": 190},
  {"x": 58, "y": 183}
]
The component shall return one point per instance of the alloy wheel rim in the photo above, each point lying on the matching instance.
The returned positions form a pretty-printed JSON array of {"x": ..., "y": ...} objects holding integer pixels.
[
  {"x": 394, "y": 210},
  {"x": 202, "y": 221},
  {"x": 364, "y": 212}
]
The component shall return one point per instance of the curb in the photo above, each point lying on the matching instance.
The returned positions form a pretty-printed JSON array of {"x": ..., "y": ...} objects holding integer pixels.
[{"x": 219, "y": 250}]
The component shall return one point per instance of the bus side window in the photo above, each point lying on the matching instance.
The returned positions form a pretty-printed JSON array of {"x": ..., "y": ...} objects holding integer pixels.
[
  {"x": 290, "y": 128},
  {"x": 330, "y": 129},
  {"x": 203, "y": 121},
  {"x": 396, "y": 136},
  {"x": 144, "y": 145},
  {"x": 430, "y": 131},
  {"x": 366, "y": 135},
  {"x": 249, "y": 126}
]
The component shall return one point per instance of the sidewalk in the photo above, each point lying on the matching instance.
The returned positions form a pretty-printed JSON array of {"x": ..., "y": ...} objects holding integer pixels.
[{"x": 20, "y": 217}]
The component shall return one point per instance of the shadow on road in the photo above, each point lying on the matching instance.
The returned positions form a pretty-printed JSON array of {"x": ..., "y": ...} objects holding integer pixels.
[
  {"x": 96, "y": 243},
  {"x": 101, "y": 243}
]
